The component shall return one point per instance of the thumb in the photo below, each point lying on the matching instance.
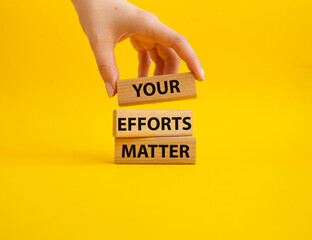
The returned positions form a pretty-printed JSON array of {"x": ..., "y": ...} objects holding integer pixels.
[{"x": 104, "y": 54}]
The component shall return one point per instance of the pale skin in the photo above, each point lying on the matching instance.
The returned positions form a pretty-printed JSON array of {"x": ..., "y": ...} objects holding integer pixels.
[{"x": 108, "y": 22}]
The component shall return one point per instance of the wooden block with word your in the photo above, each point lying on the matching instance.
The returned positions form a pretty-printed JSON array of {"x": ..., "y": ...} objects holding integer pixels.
[
  {"x": 156, "y": 89},
  {"x": 160, "y": 150},
  {"x": 150, "y": 123}
]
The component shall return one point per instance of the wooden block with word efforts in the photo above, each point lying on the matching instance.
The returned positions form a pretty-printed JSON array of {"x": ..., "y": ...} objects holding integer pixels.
[
  {"x": 156, "y": 89},
  {"x": 150, "y": 123},
  {"x": 165, "y": 150}
]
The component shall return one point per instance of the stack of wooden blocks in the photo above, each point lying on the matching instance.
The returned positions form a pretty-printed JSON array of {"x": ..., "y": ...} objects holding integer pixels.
[{"x": 155, "y": 136}]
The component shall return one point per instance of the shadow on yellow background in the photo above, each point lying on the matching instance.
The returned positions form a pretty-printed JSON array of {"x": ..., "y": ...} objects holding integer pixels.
[{"x": 252, "y": 121}]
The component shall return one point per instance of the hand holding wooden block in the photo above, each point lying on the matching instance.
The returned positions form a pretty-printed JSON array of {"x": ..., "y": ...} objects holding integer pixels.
[
  {"x": 165, "y": 150},
  {"x": 156, "y": 89},
  {"x": 149, "y": 123}
]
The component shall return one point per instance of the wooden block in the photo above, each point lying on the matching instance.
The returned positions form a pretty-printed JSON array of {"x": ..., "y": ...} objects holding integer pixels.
[
  {"x": 150, "y": 123},
  {"x": 156, "y": 89},
  {"x": 165, "y": 150}
]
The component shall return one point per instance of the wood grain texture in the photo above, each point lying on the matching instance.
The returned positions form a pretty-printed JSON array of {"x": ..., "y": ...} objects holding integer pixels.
[
  {"x": 157, "y": 150},
  {"x": 156, "y": 89},
  {"x": 151, "y": 123}
]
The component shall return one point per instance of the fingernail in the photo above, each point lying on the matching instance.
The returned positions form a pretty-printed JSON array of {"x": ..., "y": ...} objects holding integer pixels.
[
  {"x": 203, "y": 74},
  {"x": 109, "y": 89}
]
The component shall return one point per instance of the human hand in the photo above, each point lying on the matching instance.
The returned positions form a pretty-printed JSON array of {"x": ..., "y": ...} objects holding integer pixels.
[{"x": 108, "y": 22}]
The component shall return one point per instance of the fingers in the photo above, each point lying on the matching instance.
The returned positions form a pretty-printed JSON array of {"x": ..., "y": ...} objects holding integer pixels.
[
  {"x": 169, "y": 38},
  {"x": 165, "y": 59},
  {"x": 144, "y": 63},
  {"x": 103, "y": 50},
  {"x": 170, "y": 58},
  {"x": 159, "y": 62}
]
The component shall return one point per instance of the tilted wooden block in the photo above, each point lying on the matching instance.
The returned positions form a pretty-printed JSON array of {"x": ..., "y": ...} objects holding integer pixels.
[
  {"x": 156, "y": 89},
  {"x": 165, "y": 150},
  {"x": 149, "y": 123}
]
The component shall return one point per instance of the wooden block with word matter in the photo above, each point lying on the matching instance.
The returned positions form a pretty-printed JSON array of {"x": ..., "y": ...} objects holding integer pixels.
[
  {"x": 160, "y": 150},
  {"x": 151, "y": 123},
  {"x": 156, "y": 89}
]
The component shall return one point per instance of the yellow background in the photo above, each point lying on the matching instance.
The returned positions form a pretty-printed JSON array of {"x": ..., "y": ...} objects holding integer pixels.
[{"x": 252, "y": 122}]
